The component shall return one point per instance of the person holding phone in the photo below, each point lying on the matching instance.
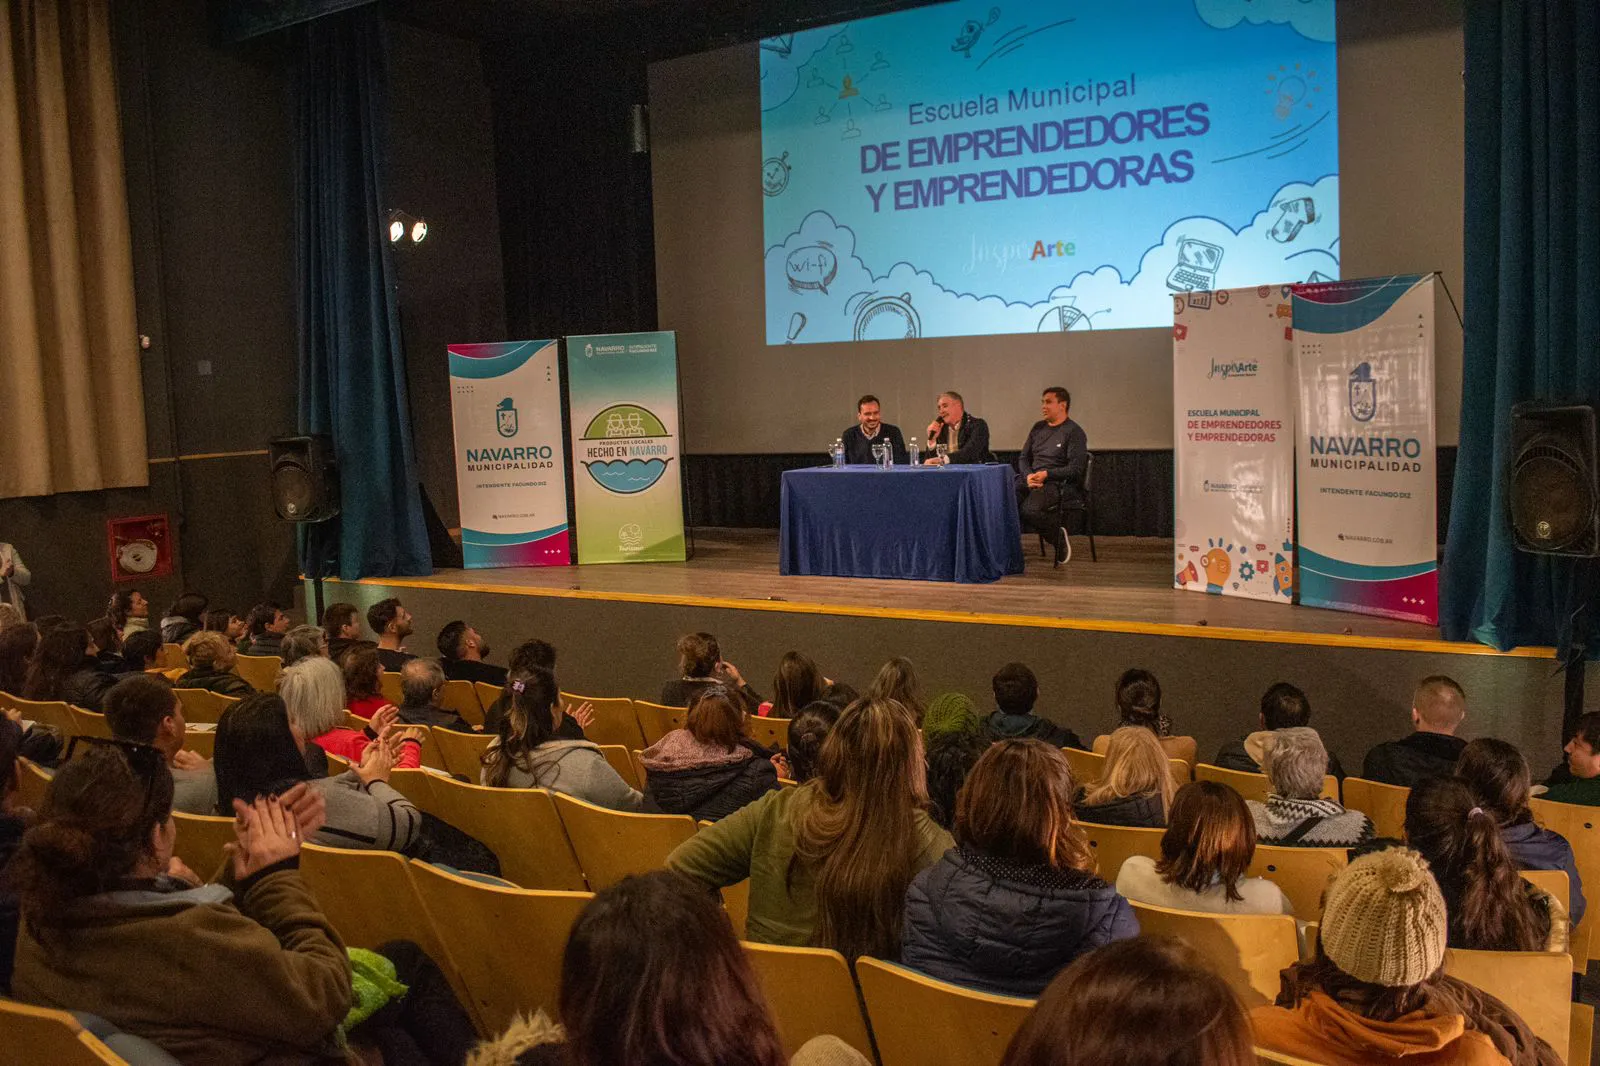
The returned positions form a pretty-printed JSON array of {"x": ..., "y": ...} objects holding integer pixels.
[{"x": 954, "y": 436}]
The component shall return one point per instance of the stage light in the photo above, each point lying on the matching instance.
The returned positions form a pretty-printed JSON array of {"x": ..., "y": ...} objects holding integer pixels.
[
  {"x": 401, "y": 223},
  {"x": 397, "y": 229},
  {"x": 419, "y": 230}
]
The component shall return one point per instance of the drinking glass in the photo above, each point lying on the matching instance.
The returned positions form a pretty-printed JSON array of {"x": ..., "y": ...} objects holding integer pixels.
[{"x": 942, "y": 450}]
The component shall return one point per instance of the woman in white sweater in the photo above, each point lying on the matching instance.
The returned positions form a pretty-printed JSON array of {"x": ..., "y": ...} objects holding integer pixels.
[{"x": 1208, "y": 845}]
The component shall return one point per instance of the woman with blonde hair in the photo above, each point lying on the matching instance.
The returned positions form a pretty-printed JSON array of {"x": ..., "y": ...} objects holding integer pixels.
[
  {"x": 1017, "y": 899},
  {"x": 829, "y": 862},
  {"x": 1137, "y": 787},
  {"x": 211, "y": 660}
]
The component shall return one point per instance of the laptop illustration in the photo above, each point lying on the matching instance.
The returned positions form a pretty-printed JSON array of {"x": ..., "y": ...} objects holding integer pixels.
[{"x": 1197, "y": 265}]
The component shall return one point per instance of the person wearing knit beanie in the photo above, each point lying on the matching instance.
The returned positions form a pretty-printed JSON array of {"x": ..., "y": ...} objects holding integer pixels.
[
  {"x": 1376, "y": 992},
  {"x": 953, "y": 739},
  {"x": 950, "y": 713}
]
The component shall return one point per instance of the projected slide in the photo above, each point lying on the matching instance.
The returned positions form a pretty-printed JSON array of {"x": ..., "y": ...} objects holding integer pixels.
[{"x": 1016, "y": 167}]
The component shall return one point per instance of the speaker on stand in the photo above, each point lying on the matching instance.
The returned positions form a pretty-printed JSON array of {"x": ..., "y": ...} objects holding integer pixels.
[
  {"x": 1553, "y": 501},
  {"x": 305, "y": 487}
]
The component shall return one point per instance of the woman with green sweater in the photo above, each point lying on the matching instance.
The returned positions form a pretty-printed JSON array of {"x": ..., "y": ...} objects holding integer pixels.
[{"x": 829, "y": 862}]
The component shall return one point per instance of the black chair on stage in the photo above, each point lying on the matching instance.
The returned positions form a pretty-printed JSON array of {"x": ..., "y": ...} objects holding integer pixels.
[{"x": 1062, "y": 515}]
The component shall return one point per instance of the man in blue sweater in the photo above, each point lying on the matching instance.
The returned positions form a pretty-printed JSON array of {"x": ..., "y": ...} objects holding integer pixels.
[{"x": 1050, "y": 471}]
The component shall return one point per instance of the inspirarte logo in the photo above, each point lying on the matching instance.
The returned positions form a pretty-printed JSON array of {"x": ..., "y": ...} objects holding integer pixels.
[
  {"x": 505, "y": 418},
  {"x": 1237, "y": 369},
  {"x": 1363, "y": 393},
  {"x": 624, "y": 448}
]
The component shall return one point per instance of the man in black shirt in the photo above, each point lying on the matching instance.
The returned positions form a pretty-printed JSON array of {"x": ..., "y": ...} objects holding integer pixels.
[
  {"x": 967, "y": 436},
  {"x": 1050, "y": 471},
  {"x": 392, "y": 622},
  {"x": 871, "y": 429},
  {"x": 461, "y": 653},
  {"x": 1437, "y": 709}
]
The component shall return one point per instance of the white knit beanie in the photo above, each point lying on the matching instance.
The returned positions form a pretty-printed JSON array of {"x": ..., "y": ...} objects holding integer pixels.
[{"x": 1384, "y": 919}]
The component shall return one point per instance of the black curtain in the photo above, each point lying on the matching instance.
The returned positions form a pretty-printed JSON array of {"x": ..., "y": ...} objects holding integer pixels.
[
  {"x": 1532, "y": 304},
  {"x": 352, "y": 371}
]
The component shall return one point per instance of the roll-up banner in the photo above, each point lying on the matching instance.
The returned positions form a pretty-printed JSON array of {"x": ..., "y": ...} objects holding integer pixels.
[
  {"x": 1364, "y": 351},
  {"x": 627, "y": 475},
  {"x": 1233, "y": 408},
  {"x": 511, "y": 467}
]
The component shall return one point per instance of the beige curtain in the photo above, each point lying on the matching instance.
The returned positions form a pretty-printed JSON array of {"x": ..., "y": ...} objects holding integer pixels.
[{"x": 71, "y": 405}]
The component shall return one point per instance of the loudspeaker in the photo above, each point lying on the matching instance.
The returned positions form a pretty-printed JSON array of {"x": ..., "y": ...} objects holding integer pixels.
[
  {"x": 305, "y": 478},
  {"x": 1554, "y": 480}
]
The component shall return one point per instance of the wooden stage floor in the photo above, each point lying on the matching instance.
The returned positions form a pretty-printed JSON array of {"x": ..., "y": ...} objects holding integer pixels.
[{"x": 1129, "y": 590}]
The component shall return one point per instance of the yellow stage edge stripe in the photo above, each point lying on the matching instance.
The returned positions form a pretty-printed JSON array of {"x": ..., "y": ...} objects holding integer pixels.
[
  {"x": 206, "y": 455},
  {"x": 1087, "y": 625}
]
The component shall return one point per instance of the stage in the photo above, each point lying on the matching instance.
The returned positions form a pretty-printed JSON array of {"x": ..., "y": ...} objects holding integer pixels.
[{"x": 1078, "y": 627}]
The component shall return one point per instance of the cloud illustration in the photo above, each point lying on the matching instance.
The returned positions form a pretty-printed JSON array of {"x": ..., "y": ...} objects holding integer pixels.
[{"x": 1310, "y": 18}]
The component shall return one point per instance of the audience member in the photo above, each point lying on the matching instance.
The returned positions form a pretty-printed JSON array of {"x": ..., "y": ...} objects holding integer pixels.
[
  {"x": 227, "y": 623},
  {"x": 392, "y": 623},
  {"x": 807, "y": 731},
  {"x": 526, "y": 656},
  {"x": 1489, "y": 906},
  {"x": 211, "y": 662},
  {"x": 1145, "y": 1001},
  {"x": 259, "y": 755},
  {"x": 17, "y": 645},
  {"x": 797, "y": 683},
  {"x": 341, "y": 625},
  {"x": 143, "y": 709},
  {"x": 462, "y": 651},
  {"x": 9, "y": 616},
  {"x": 1138, "y": 696},
  {"x": 265, "y": 629},
  {"x": 47, "y": 622},
  {"x": 105, "y": 646},
  {"x": 1501, "y": 782},
  {"x": 897, "y": 681},
  {"x": 1376, "y": 992},
  {"x": 313, "y": 692},
  {"x": 841, "y": 694},
  {"x": 709, "y": 768},
  {"x": 1296, "y": 814},
  {"x": 1583, "y": 765},
  {"x": 1207, "y": 848},
  {"x": 303, "y": 642},
  {"x": 61, "y": 669},
  {"x": 1016, "y": 690},
  {"x": 1283, "y": 706},
  {"x": 140, "y": 649},
  {"x": 1137, "y": 787},
  {"x": 1437, "y": 707},
  {"x": 955, "y": 739},
  {"x": 653, "y": 975},
  {"x": 130, "y": 611},
  {"x": 361, "y": 690},
  {"x": 829, "y": 862},
  {"x": 527, "y": 752},
  {"x": 700, "y": 662},
  {"x": 422, "y": 686},
  {"x": 184, "y": 618},
  {"x": 1016, "y": 899},
  {"x": 14, "y": 821}
]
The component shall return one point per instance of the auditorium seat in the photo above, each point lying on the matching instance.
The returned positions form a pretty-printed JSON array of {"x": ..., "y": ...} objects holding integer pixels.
[
  {"x": 1112, "y": 844},
  {"x": 53, "y": 713},
  {"x": 657, "y": 720},
  {"x": 1273, "y": 1058},
  {"x": 462, "y": 752},
  {"x": 417, "y": 786},
  {"x": 637, "y": 758},
  {"x": 1248, "y": 950},
  {"x": 610, "y": 845},
  {"x": 1185, "y": 748},
  {"x": 505, "y": 943},
  {"x": 389, "y": 687},
  {"x": 621, "y": 761},
  {"x": 615, "y": 721},
  {"x": 461, "y": 697},
  {"x": 347, "y": 881},
  {"x": 337, "y": 764},
  {"x": 88, "y": 723},
  {"x": 1558, "y": 885},
  {"x": 171, "y": 657},
  {"x": 34, "y": 782},
  {"x": 768, "y": 732},
  {"x": 1581, "y": 826},
  {"x": 1384, "y": 804},
  {"x": 202, "y": 706},
  {"x": 488, "y": 695},
  {"x": 919, "y": 1021},
  {"x": 1256, "y": 786},
  {"x": 38, "y": 1035},
  {"x": 1535, "y": 984},
  {"x": 811, "y": 994},
  {"x": 430, "y": 753},
  {"x": 201, "y": 838},
  {"x": 261, "y": 671},
  {"x": 1580, "y": 1045},
  {"x": 1302, "y": 873},
  {"x": 520, "y": 825},
  {"x": 200, "y": 738},
  {"x": 1088, "y": 767}
]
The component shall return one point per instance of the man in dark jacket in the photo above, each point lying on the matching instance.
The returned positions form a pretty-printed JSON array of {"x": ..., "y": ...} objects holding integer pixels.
[
  {"x": 871, "y": 430},
  {"x": 11, "y": 829},
  {"x": 1050, "y": 470},
  {"x": 422, "y": 684},
  {"x": 1016, "y": 690},
  {"x": 462, "y": 651},
  {"x": 1437, "y": 709},
  {"x": 266, "y": 626},
  {"x": 1283, "y": 706},
  {"x": 966, "y": 436}
]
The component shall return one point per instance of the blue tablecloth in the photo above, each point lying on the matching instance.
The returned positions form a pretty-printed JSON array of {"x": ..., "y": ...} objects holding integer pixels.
[{"x": 925, "y": 523}]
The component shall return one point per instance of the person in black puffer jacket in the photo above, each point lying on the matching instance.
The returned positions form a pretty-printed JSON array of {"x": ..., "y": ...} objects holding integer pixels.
[
  {"x": 1137, "y": 787},
  {"x": 709, "y": 769},
  {"x": 1016, "y": 900},
  {"x": 211, "y": 661}
]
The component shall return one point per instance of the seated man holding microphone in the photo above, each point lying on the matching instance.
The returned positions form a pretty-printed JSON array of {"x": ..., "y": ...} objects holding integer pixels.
[
  {"x": 1050, "y": 471},
  {"x": 965, "y": 437}
]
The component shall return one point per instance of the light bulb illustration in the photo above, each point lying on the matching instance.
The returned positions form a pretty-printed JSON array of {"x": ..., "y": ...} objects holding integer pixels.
[{"x": 1291, "y": 91}]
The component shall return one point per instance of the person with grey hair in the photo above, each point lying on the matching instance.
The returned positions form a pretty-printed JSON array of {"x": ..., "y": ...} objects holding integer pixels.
[
  {"x": 302, "y": 642},
  {"x": 1295, "y": 813},
  {"x": 422, "y": 684},
  {"x": 313, "y": 694}
]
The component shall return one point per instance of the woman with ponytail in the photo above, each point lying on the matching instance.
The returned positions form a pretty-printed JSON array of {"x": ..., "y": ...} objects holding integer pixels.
[
  {"x": 1490, "y": 906},
  {"x": 527, "y": 753}
]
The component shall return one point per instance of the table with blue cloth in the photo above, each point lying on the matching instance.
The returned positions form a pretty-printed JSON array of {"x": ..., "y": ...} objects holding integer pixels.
[{"x": 924, "y": 523}]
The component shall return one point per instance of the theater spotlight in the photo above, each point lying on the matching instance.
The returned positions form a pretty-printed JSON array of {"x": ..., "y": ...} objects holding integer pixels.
[{"x": 400, "y": 223}]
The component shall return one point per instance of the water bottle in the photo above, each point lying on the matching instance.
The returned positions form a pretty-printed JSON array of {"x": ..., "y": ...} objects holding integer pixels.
[
  {"x": 886, "y": 457},
  {"x": 836, "y": 451},
  {"x": 914, "y": 451}
]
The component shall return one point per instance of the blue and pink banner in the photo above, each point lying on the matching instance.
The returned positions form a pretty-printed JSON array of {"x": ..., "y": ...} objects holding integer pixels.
[
  {"x": 511, "y": 465},
  {"x": 1365, "y": 463}
]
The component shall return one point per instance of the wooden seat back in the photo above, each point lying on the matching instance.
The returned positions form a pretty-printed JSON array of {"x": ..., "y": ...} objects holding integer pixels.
[
  {"x": 811, "y": 994},
  {"x": 610, "y": 845},
  {"x": 919, "y": 1021},
  {"x": 1248, "y": 950},
  {"x": 615, "y": 720},
  {"x": 520, "y": 825}
]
